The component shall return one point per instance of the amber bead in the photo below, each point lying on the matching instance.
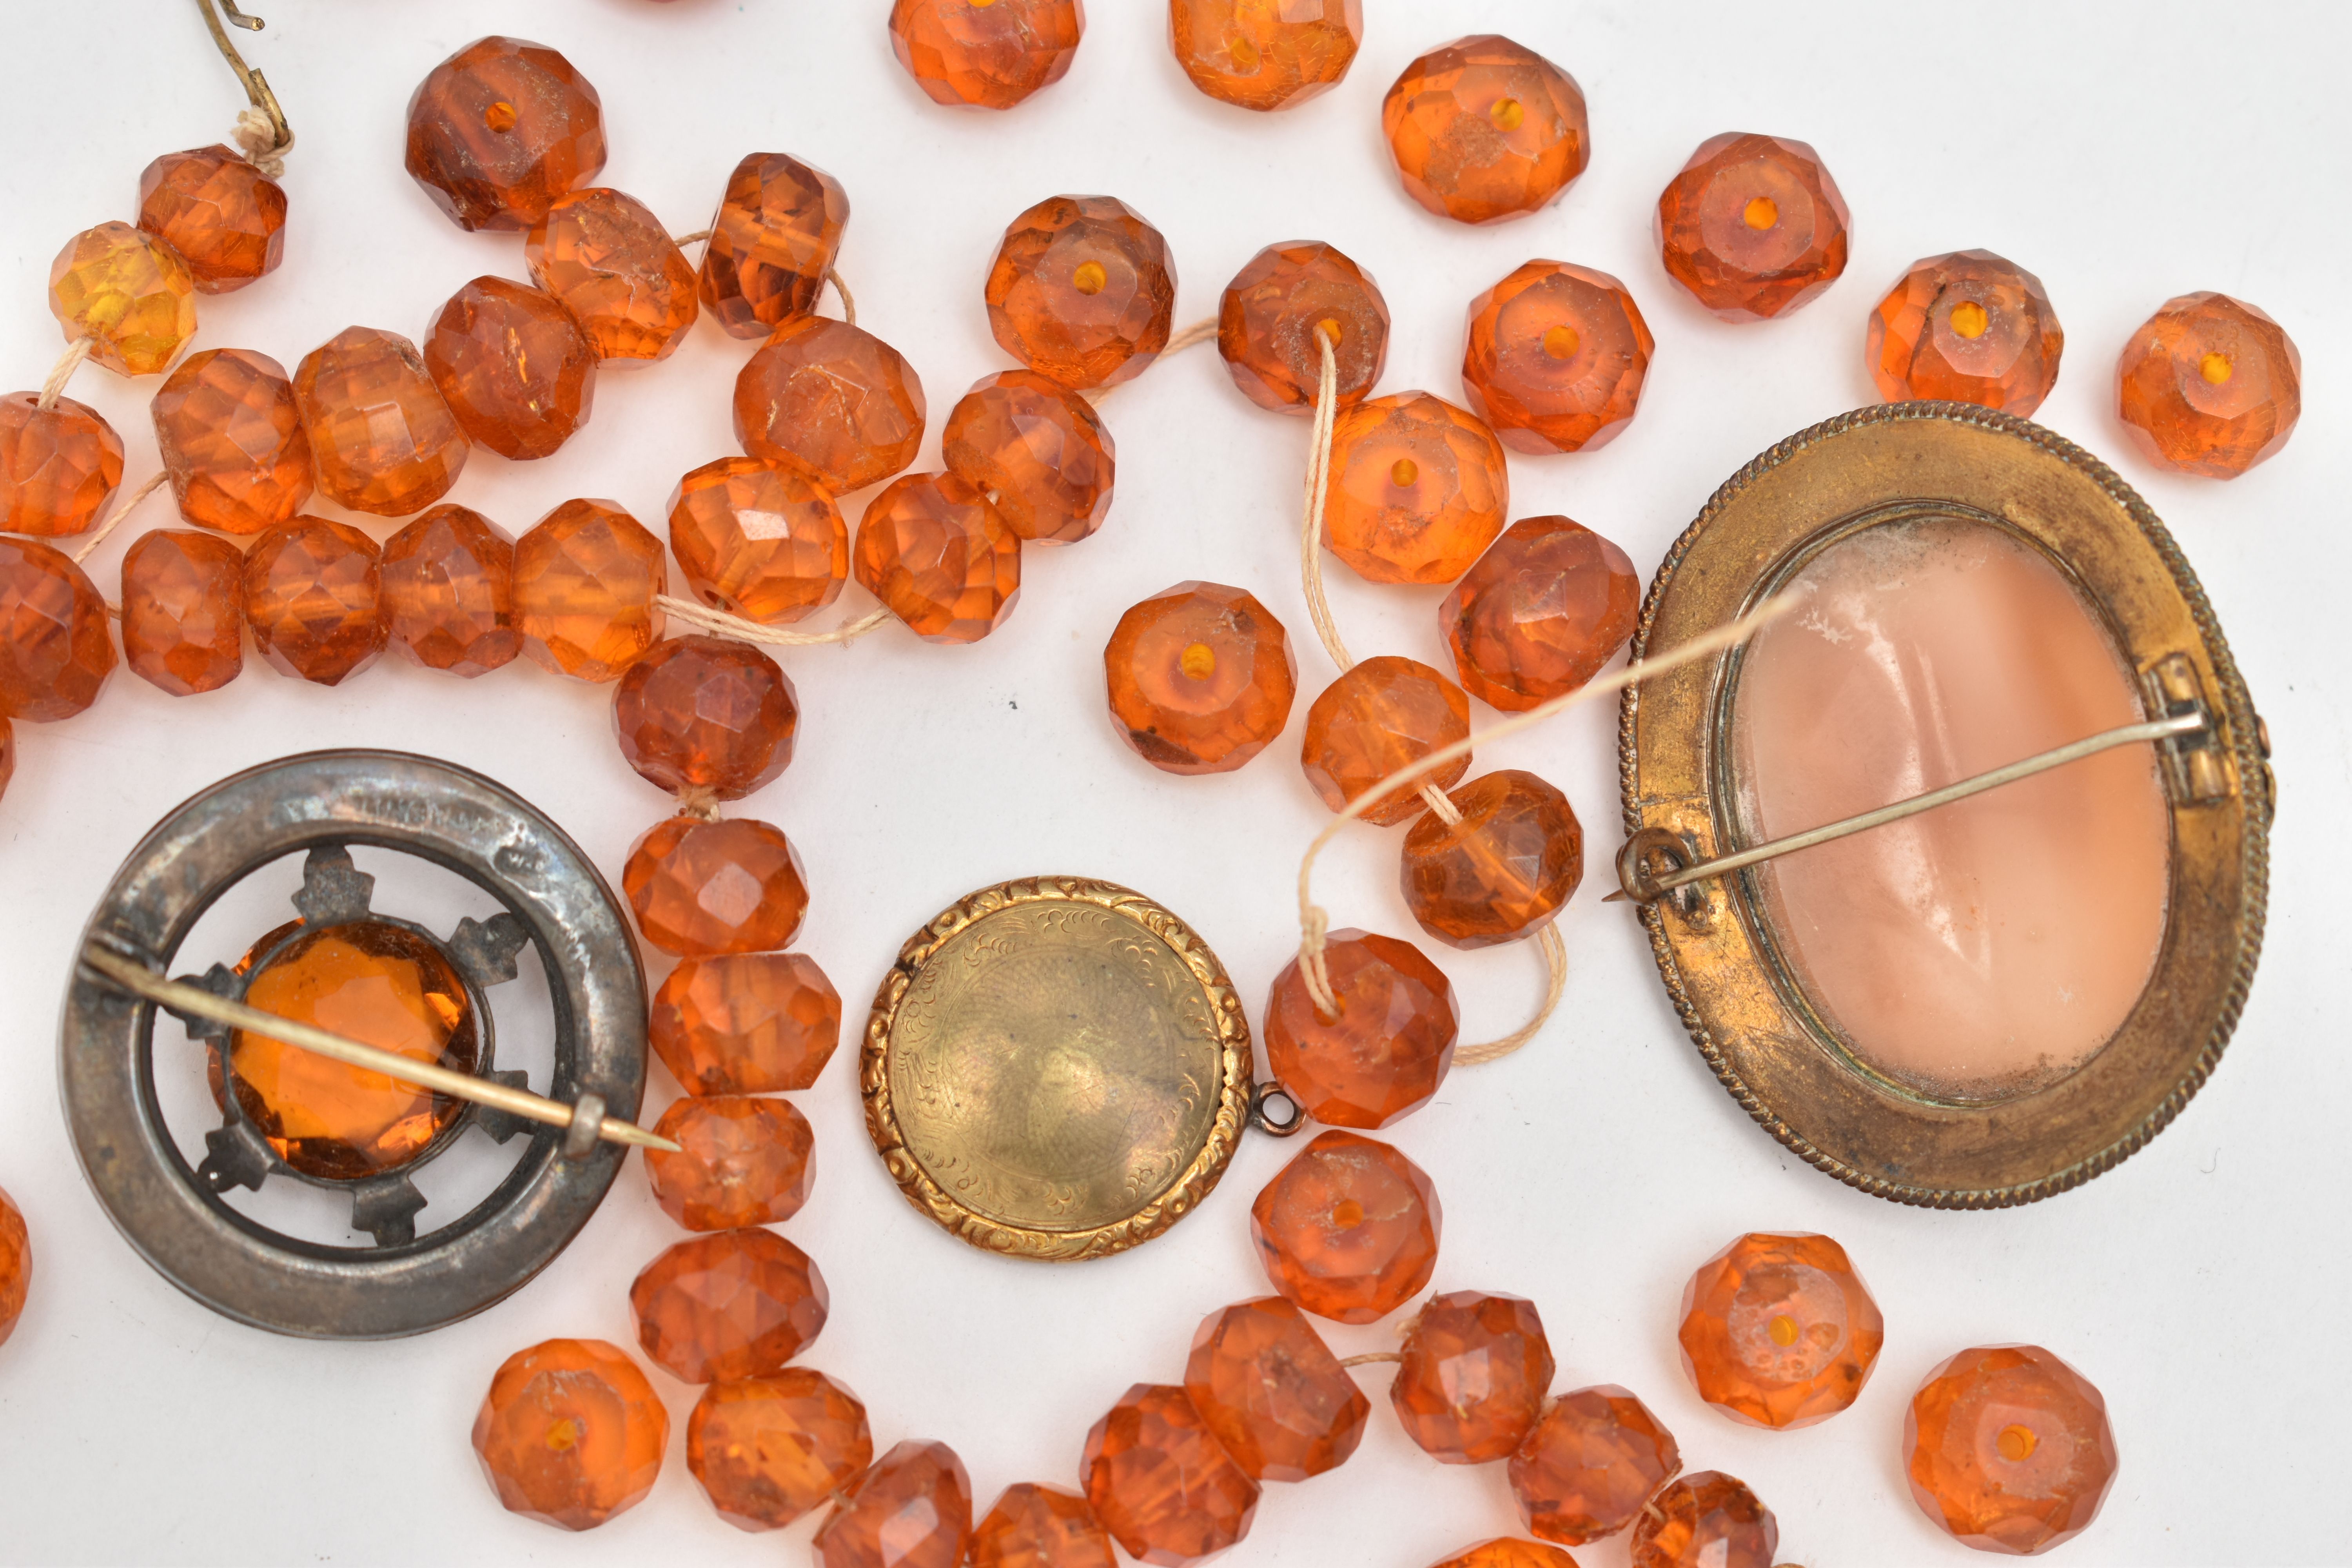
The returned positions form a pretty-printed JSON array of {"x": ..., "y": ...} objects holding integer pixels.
[
  {"x": 129, "y": 293},
  {"x": 1041, "y": 1527},
  {"x": 2210, "y": 384},
  {"x": 1475, "y": 1370},
  {"x": 985, "y": 54},
  {"x": 1160, "y": 1482},
  {"x": 768, "y": 1450},
  {"x": 939, "y": 557},
  {"x": 516, "y": 371},
  {"x": 571, "y": 1433},
  {"x": 1483, "y": 130},
  {"x": 1257, "y": 56},
  {"x": 1503, "y": 1552},
  {"x": 15, "y": 1245},
  {"x": 183, "y": 610},
  {"x": 730, "y": 1305},
  {"x": 585, "y": 578},
  {"x": 1082, "y": 291},
  {"x": 55, "y": 650},
  {"x": 2008, "y": 1449},
  {"x": 1201, "y": 678},
  {"x": 314, "y": 597},
  {"x": 742, "y": 1161},
  {"x": 1348, "y": 1229},
  {"x": 383, "y": 438},
  {"x": 59, "y": 465},
  {"x": 449, "y": 591},
  {"x": 1968, "y": 326},
  {"x": 758, "y": 538},
  {"x": 1778, "y": 1330},
  {"x": 1540, "y": 613},
  {"x": 1500, "y": 873},
  {"x": 706, "y": 714},
  {"x": 776, "y": 232},
  {"x": 838, "y": 404},
  {"x": 1384, "y": 1051},
  {"x": 912, "y": 1510},
  {"x": 1039, "y": 452},
  {"x": 701, "y": 889},
  {"x": 755, "y": 1023},
  {"x": 1706, "y": 1519},
  {"x": 1753, "y": 226},
  {"x": 1376, "y": 718},
  {"x": 230, "y": 431},
  {"x": 1272, "y": 1392},
  {"x": 1588, "y": 1463},
  {"x": 614, "y": 267},
  {"x": 1278, "y": 312},
  {"x": 1418, "y": 488},
  {"x": 499, "y": 129},
  {"x": 1556, "y": 358},
  {"x": 218, "y": 213}
]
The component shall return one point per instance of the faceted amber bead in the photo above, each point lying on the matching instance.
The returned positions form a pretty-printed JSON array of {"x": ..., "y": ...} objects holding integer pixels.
[
  {"x": 1484, "y": 129},
  {"x": 230, "y": 432},
  {"x": 1041, "y": 1527},
  {"x": 1418, "y": 488},
  {"x": 912, "y": 1510},
  {"x": 744, "y": 1161},
  {"x": 218, "y": 213},
  {"x": 985, "y": 54},
  {"x": 939, "y": 558},
  {"x": 1385, "y": 1051},
  {"x": 837, "y": 402},
  {"x": 314, "y": 598},
  {"x": 59, "y": 465},
  {"x": 382, "y": 439},
  {"x": 776, "y": 232},
  {"x": 1272, "y": 1393},
  {"x": 1556, "y": 358},
  {"x": 768, "y": 1450},
  {"x": 1376, "y": 718},
  {"x": 183, "y": 610},
  {"x": 1505, "y": 1553},
  {"x": 1082, "y": 291},
  {"x": 1348, "y": 1229},
  {"x": 614, "y": 267},
  {"x": 516, "y": 369},
  {"x": 55, "y": 650},
  {"x": 736, "y": 1304},
  {"x": 1161, "y": 1484},
  {"x": 1201, "y": 678},
  {"x": 1476, "y": 1368},
  {"x": 758, "y": 538},
  {"x": 1540, "y": 613},
  {"x": 129, "y": 293},
  {"x": 499, "y": 129},
  {"x": 15, "y": 1245},
  {"x": 708, "y": 714},
  {"x": 704, "y": 889},
  {"x": 1968, "y": 326},
  {"x": 1753, "y": 226},
  {"x": 1279, "y": 311},
  {"x": 1500, "y": 873},
  {"x": 756, "y": 1023},
  {"x": 2009, "y": 1449},
  {"x": 2210, "y": 384},
  {"x": 1039, "y": 453},
  {"x": 571, "y": 1433},
  {"x": 1589, "y": 1464},
  {"x": 1706, "y": 1519},
  {"x": 585, "y": 578},
  {"x": 449, "y": 591},
  {"x": 1266, "y": 57},
  {"x": 1778, "y": 1330}
]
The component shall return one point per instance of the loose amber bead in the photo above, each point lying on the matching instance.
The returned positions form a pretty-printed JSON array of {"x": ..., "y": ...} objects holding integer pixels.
[
  {"x": 585, "y": 578},
  {"x": 985, "y": 54},
  {"x": 1271, "y": 1390},
  {"x": 774, "y": 236},
  {"x": 1505, "y": 1553},
  {"x": 59, "y": 465},
  {"x": 1589, "y": 1464},
  {"x": 758, "y": 538},
  {"x": 1778, "y": 1330},
  {"x": 218, "y": 213},
  {"x": 571, "y": 1433},
  {"x": 704, "y": 889},
  {"x": 129, "y": 293},
  {"x": 1377, "y": 717},
  {"x": 1161, "y": 1484},
  {"x": 1483, "y": 130},
  {"x": 383, "y": 438},
  {"x": 707, "y": 715},
  {"x": 732, "y": 1305},
  {"x": 1257, "y": 56},
  {"x": 1041, "y": 1527},
  {"x": 912, "y": 1510},
  {"x": 2210, "y": 384},
  {"x": 742, "y": 1160},
  {"x": 768, "y": 1450},
  {"x": 1555, "y": 359},
  {"x": 1418, "y": 488},
  {"x": 1348, "y": 1229},
  {"x": 183, "y": 610},
  {"x": 1385, "y": 1050},
  {"x": 1500, "y": 873},
  {"x": 1475, "y": 1370},
  {"x": 15, "y": 1245},
  {"x": 1540, "y": 613},
  {"x": 756, "y": 1023},
  {"x": 1201, "y": 678},
  {"x": 2008, "y": 1449},
  {"x": 613, "y": 265},
  {"x": 313, "y": 596},
  {"x": 1968, "y": 326},
  {"x": 1279, "y": 311},
  {"x": 230, "y": 431},
  {"x": 1039, "y": 452},
  {"x": 516, "y": 369},
  {"x": 55, "y": 650},
  {"x": 449, "y": 591},
  {"x": 939, "y": 558},
  {"x": 1082, "y": 291},
  {"x": 499, "y": 129},
  {"x": 1706, "y": 1519},
  {"x": 838, "y": 404},
  {"x": 1753, "y": 226}
]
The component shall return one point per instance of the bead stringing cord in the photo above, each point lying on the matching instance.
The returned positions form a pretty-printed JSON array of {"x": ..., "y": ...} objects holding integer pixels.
[
  {"x": 727, "y": 626},
  {"x": 62, "y": 372},
  {"x": 258, "y": 139},
  {"x": 123, "y": 509}
]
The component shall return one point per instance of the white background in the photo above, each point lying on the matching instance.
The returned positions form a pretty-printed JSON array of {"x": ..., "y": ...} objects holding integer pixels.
[{"x": 2124, "y": 153}]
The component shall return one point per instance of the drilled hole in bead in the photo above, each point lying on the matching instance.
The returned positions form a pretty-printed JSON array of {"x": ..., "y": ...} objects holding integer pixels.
[
  {"x": 1403, "y": 472},
  {"x": 1198, "y": 661},
  {"x": 1089, "y": 278},
  {"x": 1508, "y": 114},
  {"x": 2017, "y": 1443},
  {"x": 1970, "y": 319},
  {"x": 1331, "y": 330},
  {"x": 2215, "y": 367},
  {"x": 1782, "y": 1330},
  {"x": 500, "y": 116},
  {"x": 1562, "y": 341},
  {"x": 1247, "y": 58},
  {"x": 1347, "y": 1214},
  {"x": 564, "y": 1436},
  {"x": 1761, "y": 212}
]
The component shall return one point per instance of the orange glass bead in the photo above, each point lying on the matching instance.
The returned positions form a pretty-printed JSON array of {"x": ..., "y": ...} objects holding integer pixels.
[
  {"x": 15, "y": 1245},
  {"x": 1778, "y": 1330},
  {"x": 776, "y": 232},
  {"x": 743, "y": 1162},
  {"x": 1038, "y": 452},
  {"x": 613, "y": 265},
  {"x": 1484, "y": 129},
  {"x": 1257, "y": 56},
  {"x": 1375, "y": 719},
  {"x": 499, "y": 129},
  {"x": 230, "y": 432},
  {"x": 706, "y": 714},
  {"x": 758, "y": 538},
  {"x": 571, "y": 1433},
  {"x": 129, "y": 293},
  {"x": 2008, "y": 1449},
  {"x": 585, "y": 578},
  {"x": 183, "y": 610},
  {"x": 735, "y": 1304},
  {"x": 912, "y": 1510},
  {"x": 1475, "y": 1370},
  {"x": 1557, "y": 357},
  {"x": 516, "y": 371},
  {"x": 1753, "y": 226},
  {"x": 768, "y": 1450},
  {"x": 939, "y": 557},
  {"x": 55, "y": 650},
  {"x": 1500, "y": 873},
  {"x": 1505, "y": 1552},
  {"x": 985, "y": 54},
  {"x": 1160, "y": 1481},
  {"x": 382, "y": 439},
  {"x": 1271, "y": 1390},
  {"x": 1588, "y": 1463},
  {"x": 1201, "y": 678},
  {"x": 1540, "y": 613},
  {"x": 704, "y": 889},
  {"x": 449, "y": 591},
  {"x": 1041, "y": 1527},
  {"x": 1348, "y": 1229},
  {"x": 1968, "y": 326},
  {"x": 218, "y": 213},
  {"x": 1418, "y": 488},
  {"x": 1387, "y": 1048},
  {"x": 1082, "y": 291},
  {"x": 1706, "y": 1519},
  {"x": 756, "y": 1023},
  {"x": 1278, "y": 312},
  {"x": 314, "y": 598},
  {"x": 2210, "y": 384},
  {"x": 838, "y": 404},
  {"x": 59, "y": 465}
]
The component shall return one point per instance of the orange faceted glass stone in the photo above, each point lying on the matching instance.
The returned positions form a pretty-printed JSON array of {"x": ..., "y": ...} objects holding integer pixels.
[
  {"x": 230, "y": 431},
  {"x": 1556, "y": 358},
  {"x": 1039, "y": 453},
  {"x": 383, "y": 438},
  {"x": 1970, "y": 326},
  {"x": 1589, "y": 1464},
  {"x": 1272, "y": 1393},
  {"x": 1348, "y": 1229},
  {"x": 771, "y": 241},
  {"x": 449, "y": 591},
  {"x": 585, "y": 578},
  {"x": 218, "y": 213},
  {"x": 837, "y": 402},
  {"x": 1778, "y": 1330},
  {"x": 2009, "y": 1449},
  {"x": 743, "y": 1161},
  {"x": 1484, "y": 129},
  {"x": 183, "y": 610},
  {"x": 499, "y": 129},
  {"x": 1082, "y": 291},
  {"x": 1041, "y": 1527},
  {"x": 1505, "y": 1553},
  {"x": 1540, "y": 613},
  {"x": 985, "y": 54},
  {"x": 1279, "y": 311},
  {"x": 1418, "y": 488},
  {"x": 612, "y": 265},
  {"x": 2210, "y": 384},
  {"x": 1201, "y": 678},
  {"x": 736, "y": 1304},
  {"x": 758, "y": 538},
  {"x": 912, "y": 1510},
  {"x": 1266, "y": 57},
  {"x": 706, "y": 714},
  {"x": 16, "y": 1247},
  {"x": 57, "y": 653},
  {"x": 571, "y": 1433},
  {"x": 518, "y": 374},
  {"x": 939, "y": 557},
  {"x": 1160, "y": 1482},
  {"x": 702, "y": 889},
  {"x": 1500, "y": 873},
  {"x": 1753, "y": 226},
  {"x": 753, "y": 1023},
  {"x": 1385, "y": 1051},
  {"x": 313, "y": 596},
  {"x": 768, "y": 1450},
  {"x": 1706, "y": 1519},
  {"x": 59, "y": 465},
  {"x": 1377, "y": 717},
  {"x": 129, "y": 293},
  {"x": 1475, "y": 1370}
]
